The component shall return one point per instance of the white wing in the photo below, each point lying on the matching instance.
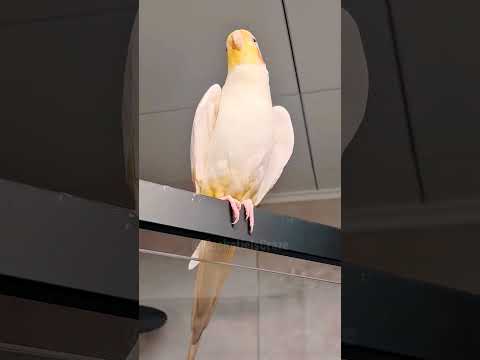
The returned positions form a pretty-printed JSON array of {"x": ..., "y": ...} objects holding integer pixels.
[
  {"x": 283, "y": 139},
  {"x": 203, "y": 125}
]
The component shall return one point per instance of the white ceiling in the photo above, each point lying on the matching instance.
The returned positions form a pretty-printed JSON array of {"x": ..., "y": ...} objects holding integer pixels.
[{"x": 182, "y": 53}]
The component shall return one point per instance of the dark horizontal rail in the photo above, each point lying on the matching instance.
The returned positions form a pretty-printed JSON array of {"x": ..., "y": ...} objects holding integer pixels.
[
  {"x": 389, "y": 317},
  {"x": 169, "y": 210},
  {"x": 36, "y": 330},
  {"x": 66, "y": 264},
  {"x": 58, "y": 239},
  {"x": 64, "y": 296}
]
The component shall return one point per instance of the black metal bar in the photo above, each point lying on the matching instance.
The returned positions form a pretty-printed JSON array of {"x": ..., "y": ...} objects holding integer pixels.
[
  {"x": 38, "y": 330},
  {"x": 19, "y": 352},
  {"x": 300, "y": 93},
  {"x": 408, "y": 114},
  {"x": 350, "y": 352},
  {"x": 58, "y": 239},
  {"x": 180, "y": 212},
  {"x": 386, "y": 314},
  {"x": 58, "y": 295}
]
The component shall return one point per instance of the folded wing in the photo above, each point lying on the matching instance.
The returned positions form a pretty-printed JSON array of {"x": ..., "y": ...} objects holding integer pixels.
[
  {"x": 202, "y": 128},
  {"x": 203, "y": 125},
  {"x": 281, "y": 152}
]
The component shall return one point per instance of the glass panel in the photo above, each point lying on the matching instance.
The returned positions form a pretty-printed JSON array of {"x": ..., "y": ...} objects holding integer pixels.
[
  {"x": 178, "y": 245},
  {"x": 256, "y": 312},
  {"x": 299, "y": 318}
]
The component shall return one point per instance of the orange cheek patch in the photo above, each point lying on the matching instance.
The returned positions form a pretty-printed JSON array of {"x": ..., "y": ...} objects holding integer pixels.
[{"x": 260, "y": 56}]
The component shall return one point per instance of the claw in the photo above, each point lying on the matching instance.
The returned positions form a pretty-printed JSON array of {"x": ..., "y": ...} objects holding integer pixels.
[
  {"x": 249, "y": 215},
  {"x": 235, "y": 205}
]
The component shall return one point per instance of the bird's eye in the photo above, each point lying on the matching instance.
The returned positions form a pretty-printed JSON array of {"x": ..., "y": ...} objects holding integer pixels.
[{"x": 254, "y": 40}]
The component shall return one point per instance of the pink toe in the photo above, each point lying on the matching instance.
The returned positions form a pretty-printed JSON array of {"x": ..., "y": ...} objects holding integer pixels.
[
  {"x": 249, "y": 214},
  {"x": 236, "y": 216},
  {"x": 235, "y": 206}
]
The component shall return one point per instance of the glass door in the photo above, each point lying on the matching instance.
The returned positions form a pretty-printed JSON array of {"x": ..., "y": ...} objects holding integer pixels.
[{"x": 260, "y": 314}]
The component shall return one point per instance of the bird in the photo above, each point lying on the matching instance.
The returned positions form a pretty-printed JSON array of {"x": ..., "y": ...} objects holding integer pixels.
[{"x": 240, "y": 144}]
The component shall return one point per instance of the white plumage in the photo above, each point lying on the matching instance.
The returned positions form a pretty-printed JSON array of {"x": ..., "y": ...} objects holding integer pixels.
[
  {"x": 240, "y": 143},
  {"x": 239, "y": 146}
]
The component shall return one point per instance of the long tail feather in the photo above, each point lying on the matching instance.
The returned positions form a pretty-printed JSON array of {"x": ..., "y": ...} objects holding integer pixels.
[
  {"x": 192, "y": 351},
  {"x": 209, "y": 281}
]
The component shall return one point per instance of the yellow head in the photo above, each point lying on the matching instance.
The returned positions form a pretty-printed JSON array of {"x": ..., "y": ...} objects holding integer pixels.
[{"x": 242, "y": 48}]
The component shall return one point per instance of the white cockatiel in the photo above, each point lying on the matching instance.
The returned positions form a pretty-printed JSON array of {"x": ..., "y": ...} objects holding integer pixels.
[{"x": 239, "y": 147}]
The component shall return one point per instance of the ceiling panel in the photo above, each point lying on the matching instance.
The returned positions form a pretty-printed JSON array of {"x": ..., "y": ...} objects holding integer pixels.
[
  {"x": 440, "y": 67},
  {"x": 165, "y": 149},
  {"x": 377, "y": 165},
  {"x": 298, "y": 174},
  {"x": 182, "y": 47},
  {"x": 323, "y": 113},
  {"x": 26, "y": 11},
  {"x": 61, "y": 92},
  {"x": 316, "y": 35}
]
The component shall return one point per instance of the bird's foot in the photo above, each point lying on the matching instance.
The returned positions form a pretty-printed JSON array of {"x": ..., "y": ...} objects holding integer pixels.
[
  {"x": 249, "y": 216},
  {"x": 235, "y": 205}
]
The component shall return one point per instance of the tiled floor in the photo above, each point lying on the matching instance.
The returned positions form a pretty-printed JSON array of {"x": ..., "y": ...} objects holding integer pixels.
[
  {"x": 299, "y": 318},
  {"x": 165, "y": 283},
  {"x": 260, "y": 315}
]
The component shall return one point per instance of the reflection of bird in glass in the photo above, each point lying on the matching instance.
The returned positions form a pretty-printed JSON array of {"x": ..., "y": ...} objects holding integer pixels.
[{"x": 240, "y": 145}]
